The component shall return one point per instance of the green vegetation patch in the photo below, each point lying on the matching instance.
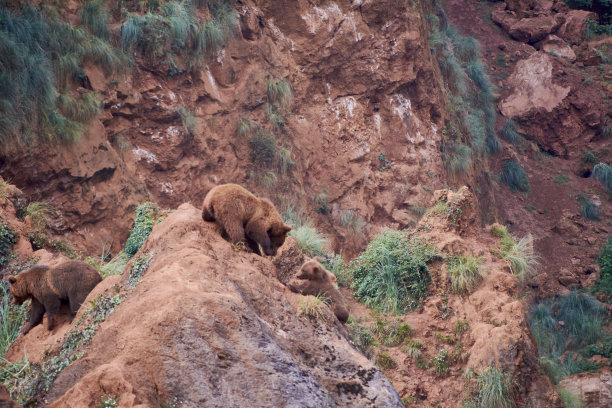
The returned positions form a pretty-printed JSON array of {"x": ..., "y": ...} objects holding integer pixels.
[
  {"x": 603, "y": 173},
  {"x": 464, "y": 273},
  {"x": 514, "y": 176},
  {"x": 588, "y": 209},
  {"x": 563, "y": 328},
  {"x": 143, "y": 225},
  {"x": 42, "y": 56},
  {"x": 392, "y": 275},
  {"x": 8, "y": 239},
  {"x": 604, "y": 284},
  {"x": 12, "y": 318},
  {"x": 519, "y": 254}
]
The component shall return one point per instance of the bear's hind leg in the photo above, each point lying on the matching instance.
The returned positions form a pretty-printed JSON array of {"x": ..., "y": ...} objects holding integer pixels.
[
  {"x": 52, "y": 306},
  {"x": 36, "y": 314},
  {"x": 234, "y": 230}
]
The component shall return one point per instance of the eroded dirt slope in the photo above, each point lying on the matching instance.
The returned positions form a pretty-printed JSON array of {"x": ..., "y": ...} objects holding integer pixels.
[{"x": 211, "y": 326}]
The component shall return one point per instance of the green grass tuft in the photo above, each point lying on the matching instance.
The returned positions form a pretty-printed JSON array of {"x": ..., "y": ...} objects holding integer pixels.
[
  {"x": 520, "y": 255},
  {"x": 246, "y": 127},
  {"x": 588, "y": 209},
  {"x": 510, "y": 133},
  {"x": 94, "y": 17},
  {"x": 570, "y": 399},
  {"x": 310, "y": 240},
  {"x": 603, "y": 173},
  {"x": 457, "y": 157},
  {"x": 361, "y": 337},
  {"x": 494, "y": 389},
  {"x": 464, "y": 273},
  {"x": 350, "y": 219},
  {"x": 262, "y": 148},
  {"x": 81, "y": 110},
  {"x": 391, "y": 275},
  {"x": 311, "y": 306},
  {"x": 280, "y": 93},
  {"x": 514, "y": 176},
  {"x": 188, "y": 119}
]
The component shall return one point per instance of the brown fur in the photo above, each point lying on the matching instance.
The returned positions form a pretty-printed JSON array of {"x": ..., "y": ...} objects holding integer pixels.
[
  {"x": 245, "y": 218},
  {"x": 47, "y": 287},
  {"x": 313, "y": 279}
]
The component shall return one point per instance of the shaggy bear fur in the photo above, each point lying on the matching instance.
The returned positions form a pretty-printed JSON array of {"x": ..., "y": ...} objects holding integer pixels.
[
  {"x": 313, "y": 279},
  {"x": 244, "y": 217},
  {"x": 70, "y": 281}
]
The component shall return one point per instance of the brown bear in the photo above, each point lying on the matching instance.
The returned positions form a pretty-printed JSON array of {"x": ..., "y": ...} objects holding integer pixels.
[
  {"x": 313, "y": 279},
  {"x": 244, "y": 217},
  {"x": 70, "y": 281}
]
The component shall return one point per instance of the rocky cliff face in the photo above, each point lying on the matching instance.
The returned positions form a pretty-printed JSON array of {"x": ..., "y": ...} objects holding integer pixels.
[{"x": 365, "y": 113}]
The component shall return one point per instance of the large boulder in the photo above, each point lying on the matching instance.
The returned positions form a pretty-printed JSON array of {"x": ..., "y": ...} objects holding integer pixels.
[{"x": 211, "y": 326}]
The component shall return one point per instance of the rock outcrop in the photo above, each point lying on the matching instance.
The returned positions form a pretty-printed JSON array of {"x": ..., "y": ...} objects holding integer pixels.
[{"x": 211, "y": 327}]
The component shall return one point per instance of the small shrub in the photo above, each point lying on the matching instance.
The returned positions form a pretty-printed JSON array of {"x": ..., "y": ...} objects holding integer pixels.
[
  {"x": 360, "y": 336},
  {"x": 94, "y": 17},
  {"x": 81, "y": 110},
  {"x": 310, "y": 306},
  {"x": 189, "y": 121},
  {"x": 143, "y": 225},
  {"x": 413, "y": 349},
  {"x": 114, "y": 266},
  {"x": 604, "y": 284},
  {"x": 275, "y": 117},
  {"x": 350, "y": 220},
  {"x": 285, "y": 162},
  {"x": 439, "y": 363},
  {"x": 509, "y": 133},
  {"x": 310, "y": 240},
  {"x": 494, "y": 389},
  {"x": 603, "y": 173},
  {"x": 520, "y": 255},
  {"x": 137, "y": 269},
  {"x": 514, "y": 176},
  {"x": 391, "y": 275},
  {"x": 588, "y": 209},
  {"x": 12, "y": 318},
  {"x": 570, "y": 399},
  {"x": 385, "y": 361},
  {"x": 246, "y": 127},
  {"x": 461, "y": 327},
  {"x": 457, "y": 157},
  {"x": 606, "y": 132},
  {"x": 39, "y": 213},
  {"x": 322, "y": 202},
  {"x": 385, "y": 164},
  {"x": 280, "y": 92},
  {"x": 262, "y": 148},
  {"x": 391, "y": 333},
  {"x": 464, "y": 273},
  {"x": 563, "y": 326},
  {"x": 8, "y": 238},
  {"x": 108, "y": 401}
]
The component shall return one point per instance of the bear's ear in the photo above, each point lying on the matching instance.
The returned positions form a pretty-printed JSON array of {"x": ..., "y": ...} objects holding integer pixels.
[
  {"x": 285, "y": 228},
  {"x": 12, "y": 279},
  {"x": 316, "y": 258},
  {"x": 317, "y": 273}
]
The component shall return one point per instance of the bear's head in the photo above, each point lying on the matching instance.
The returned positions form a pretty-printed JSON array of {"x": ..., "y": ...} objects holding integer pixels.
[
  {"x": 313, "y": 270},
  {"x": 277, "y": 233},
  {"x": 18, "y": 289}
]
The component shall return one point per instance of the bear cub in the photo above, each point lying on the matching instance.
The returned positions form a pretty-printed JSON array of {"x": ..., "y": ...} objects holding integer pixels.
[
  {"x": 244, "y": 217},
  {"x": 70, "y": 281},
  {"x": 313, "y": 279}
]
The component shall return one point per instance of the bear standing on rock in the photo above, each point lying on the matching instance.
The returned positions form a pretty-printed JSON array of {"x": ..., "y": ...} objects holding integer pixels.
[
  {"x": 244, "y": 217},
  {"x": 70, "y": 281},
  {"x": 313, "y": 279}
]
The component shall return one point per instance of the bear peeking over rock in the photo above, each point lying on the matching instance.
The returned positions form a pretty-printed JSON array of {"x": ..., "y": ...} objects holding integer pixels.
[
  {"x": 70, "y": 281},
  {"x": 313, "y": 279},
  {"x": 244, "y": 217}
]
